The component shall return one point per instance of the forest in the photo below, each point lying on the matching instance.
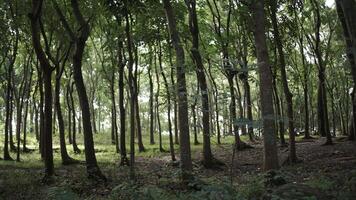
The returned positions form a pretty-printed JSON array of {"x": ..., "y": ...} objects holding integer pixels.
[{"x": 178, "y": 99}]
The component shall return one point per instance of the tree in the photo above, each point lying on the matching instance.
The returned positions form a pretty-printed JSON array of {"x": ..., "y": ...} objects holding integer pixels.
[
  {"x": 47, "y": 73},
  {"x": 315, "y": 43},
  {"x": 194, "y": 30},
  {"x": 60, "y": 64},
  {"x": 79, "y": 42},
  {"x": 186, "y": 162},
  {"x": 346, "y": 12},
  {"x": 287, "y": 93},
  {"x": 270, "y": 158}
]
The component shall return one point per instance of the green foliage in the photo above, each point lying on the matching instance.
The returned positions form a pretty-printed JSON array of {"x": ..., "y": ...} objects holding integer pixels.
[
  {"x": 213, "y": 192},
  {"x": 61, "y": 193},
  {"x": 253, "y": 189},
  {"x": 323, "y": 183},
  {"x": 125, "y": 191},
  {"x": 155, "y": 193},
  {"x": 207, "y": 191}
]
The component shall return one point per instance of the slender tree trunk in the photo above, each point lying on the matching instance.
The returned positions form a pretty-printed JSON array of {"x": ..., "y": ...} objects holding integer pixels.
[
  {"x": 233, "y": 112},
  {"x": 8, "y": 119},
  {"x": 194, "y": 30},
  {"x": 35, "y": 110},
  {"x": 323, "y": 119},
  {"x": 19, "y": 107},
  {"x": 186, "y": 162},
  {"x": 152, "y": 139},
  {"x": 173, "y": 95},
  {"x": 280, "y": 120},
  {"x": 157, "y": 109},
  {"x": 27, "y": 99},
  {"x": 141, "y": 147},
  {"x": 74, "y": 129},
  {"x": 132, "y": 90},
  {"x": 66, "y": 159},
  {"x": 305, "y": 90},
  {"x": 270, "y": 148},
  {"x": 171, "y": 144},
  {"x": 46, "y": 69},
  {"x": 69, "y": 106},
  {"x": 114, "y": 128},
  {"x": 121, "y": 66},
  {"x": 195, "y": 124},
  {"x": 287, "y": 93},
  {"x": 216, "y": 103},
  {"x": 241, "y": 108},
  {"x": 80, "y": 42}
]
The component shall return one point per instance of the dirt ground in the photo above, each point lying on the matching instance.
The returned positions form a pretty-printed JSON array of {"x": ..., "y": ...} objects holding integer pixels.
[{"x": 328, "y": 168}]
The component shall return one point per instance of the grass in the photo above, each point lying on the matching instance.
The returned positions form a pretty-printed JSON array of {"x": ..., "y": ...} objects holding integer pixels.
[
  {"x": 23, "y": 178},
  {"x": 105, "y": 151}
]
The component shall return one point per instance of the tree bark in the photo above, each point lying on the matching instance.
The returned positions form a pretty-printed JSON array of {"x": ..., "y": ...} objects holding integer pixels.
[
  {"x": 171, "y": 144},
  {"x": 346, "y": 11},
  {"x": 121, "y": 66},
  {"x": 80, "y": 43},
  {"x": 287, "y": 93},
  {"x": 194, "y": 30},
  {"x": 46, "y": 68},
  {"x": 270, "y": 148},
  {"x": 157, "y": 109},
  {"x": 186, "y": 162},
  {"x": 152, "y": 139}
]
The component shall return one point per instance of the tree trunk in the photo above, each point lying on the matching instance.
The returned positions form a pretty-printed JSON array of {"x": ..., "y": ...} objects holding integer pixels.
[
  {"x": 27, "y": 99},
  {"x": 241, "y": 108},
  {"x": 171, "y": 144},
  {"x": 47, "y": 79},
  {"x": 80, "y": 42},
  {"x": 270, "y": 148},
  {"x": 194, "y": 30},
  {"x": 121, "y": 66},
  {"x": 235, "y": 126},
  {"x": 186, "y": 162},
  {"x": 66, "y": 159},
  {"x": 194, "y": 114},
  {"x": 346, "y": 11},
  {"x": 157, "y": 109},
  {"x": 8, "y": 119},
  {"x": 132, "y": 89},
  {"x": 69, "y": 106},
  {"x": 152, "y": 139},
  {"x": 216, "y": 103},
  {"x": 287, "y": 93},
  {"x": 74, "y": 129},
  {"x": 141, "y": 147}
]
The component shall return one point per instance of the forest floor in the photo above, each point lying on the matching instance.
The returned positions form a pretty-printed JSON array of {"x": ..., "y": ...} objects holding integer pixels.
[{"x": 325, "y": 172}]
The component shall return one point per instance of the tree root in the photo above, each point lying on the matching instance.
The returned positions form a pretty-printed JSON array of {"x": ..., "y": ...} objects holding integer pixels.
[
  {"x": 70, "y": 161},
  {"x": 124, "y": 161},
  {"x": 163, "y": 150},
  {"x": 77, "y": 150},
  {"x": 95, "y": 174},
  {"x": 287, "y": 161},
  {"x": 47, "y": 179},
  {"x": 242, "y": 146},
  {"x": 27, "y": 150},
  {"x": 328, "y": 143},
  {"x": 214, "y": 164},
  {"x": 8, "y": 158}
]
